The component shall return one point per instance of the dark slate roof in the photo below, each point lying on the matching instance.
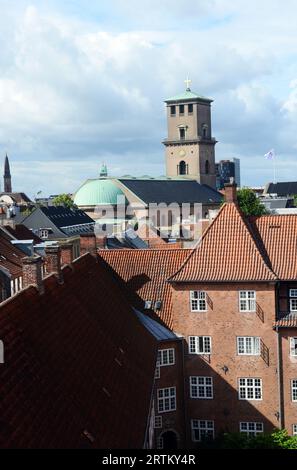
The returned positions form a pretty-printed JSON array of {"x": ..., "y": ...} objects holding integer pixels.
[
  {"x": 64, "y": 217},
  {"x": 168, "y": 191},
  {"x": 21, "y": 232},
  {"x": 283, "y": 189},
  {"x": 79, "y": 364}
]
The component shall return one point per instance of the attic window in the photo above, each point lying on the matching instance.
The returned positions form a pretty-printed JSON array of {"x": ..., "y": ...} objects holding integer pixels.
[
  {"x": 43, "y": 233},
  {"x": 147, "y": 304},
  {"x": 158, "y": 304}
]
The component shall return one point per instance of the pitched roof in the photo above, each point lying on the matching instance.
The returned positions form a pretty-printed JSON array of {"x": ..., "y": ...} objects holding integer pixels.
[
  {"x": 64, "y": 217},
  {"x": 145, "y": 273},
  {"x": 79, "y": 365},
  {"x": 188, "y": 95},
  {"x": 279, "y": 237},
  {"x": 168, "y": 191},
  {"x": 21, "y": 232},
  {"x": 19, "y": 198},
  {"x": 10, "y": 256},
  {"x": 288, "y": 188},
  {"x": 227, "y": 251}
]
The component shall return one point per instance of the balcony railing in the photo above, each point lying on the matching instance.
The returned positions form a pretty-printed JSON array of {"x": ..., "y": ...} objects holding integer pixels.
[{"x": 286, "y": 315}]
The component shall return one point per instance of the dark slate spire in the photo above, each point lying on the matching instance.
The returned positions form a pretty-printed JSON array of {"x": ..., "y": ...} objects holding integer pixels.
[{"x": 7, "y": 176}]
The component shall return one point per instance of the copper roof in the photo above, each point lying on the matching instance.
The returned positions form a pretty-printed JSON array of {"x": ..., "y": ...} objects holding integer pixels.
[
  {"x": 79, "y": 365},
  {"x": 228, "y": 251},
  {"x": 145, "y": 273}
]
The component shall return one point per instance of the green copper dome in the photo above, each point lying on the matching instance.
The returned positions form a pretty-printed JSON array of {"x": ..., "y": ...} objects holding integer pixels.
[{"x": 97, "y": 192}]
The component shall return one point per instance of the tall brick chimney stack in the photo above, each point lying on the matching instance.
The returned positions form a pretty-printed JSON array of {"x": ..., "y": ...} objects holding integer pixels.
[
  {"x": 66, "y": 253},
  {"x": 53, "y": 260},
  {"x": 88, "y": 244},
  {"x": 231, "y": 191},
  {"x": 32, "y": 272}
]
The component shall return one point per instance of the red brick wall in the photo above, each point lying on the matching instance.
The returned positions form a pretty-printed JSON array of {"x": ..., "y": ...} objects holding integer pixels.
[
  {"x": 223, "y": 322},
  {"x": 88, "y": 244},
  {"x": 289, "y": 372}
]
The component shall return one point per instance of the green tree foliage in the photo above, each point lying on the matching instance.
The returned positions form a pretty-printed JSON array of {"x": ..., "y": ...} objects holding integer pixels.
[
  {"x": 64, "y": 200},
  {"x": 249, "y": 203},
  {"x": 278, "y": 439}
]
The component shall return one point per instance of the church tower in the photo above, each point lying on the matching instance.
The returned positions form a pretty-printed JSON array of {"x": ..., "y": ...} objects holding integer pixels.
[
  {"x": 7, "y": 176},
  {"x": 190, "y": 147}
]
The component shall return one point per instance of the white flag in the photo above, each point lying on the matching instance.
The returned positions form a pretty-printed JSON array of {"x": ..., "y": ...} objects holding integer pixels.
[{"x": 270, "y": 155}]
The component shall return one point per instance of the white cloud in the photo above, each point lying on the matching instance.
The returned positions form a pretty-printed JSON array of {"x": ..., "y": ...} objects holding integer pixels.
[{"x": 71, "y": 91}]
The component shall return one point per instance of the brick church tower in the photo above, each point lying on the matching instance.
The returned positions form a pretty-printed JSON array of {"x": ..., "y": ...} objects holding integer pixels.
[
  {"x": 190, "y": 147},
  {"x": 7, "y": 176}
]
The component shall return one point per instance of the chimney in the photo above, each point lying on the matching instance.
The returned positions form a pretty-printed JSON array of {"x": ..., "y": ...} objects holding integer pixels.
[
  {"x": 231, "y": 191},
  {"x": 88, "y": 244},
  {"x": 66, "y": 253},
  {"x": 32, "y": 272},
  {"x": 53, "y": 260},
  {"x": 101, "y": 242}
]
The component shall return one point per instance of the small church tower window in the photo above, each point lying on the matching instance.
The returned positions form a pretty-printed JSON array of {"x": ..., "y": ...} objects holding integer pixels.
[
  {"x": 172, "y": 111},
  {"x": 182, "y": 168},
  {"x": 207, "y": 167},
  {"x": 182, "y": 133}
]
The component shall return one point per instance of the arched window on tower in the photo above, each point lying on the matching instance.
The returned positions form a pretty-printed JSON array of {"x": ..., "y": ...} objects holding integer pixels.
[
  {"x": 207, "y": 167},
  {"x": 182, "y": 168},
  {"x": 204, "y": 130}
]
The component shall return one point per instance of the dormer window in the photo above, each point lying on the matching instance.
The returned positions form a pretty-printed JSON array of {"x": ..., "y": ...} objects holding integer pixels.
[{"x": 43, "y": 233}]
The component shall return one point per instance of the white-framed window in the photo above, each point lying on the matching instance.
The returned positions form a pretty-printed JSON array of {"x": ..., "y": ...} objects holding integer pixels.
[
  {"x": 247, "y": 301},
  {"x": 251, "y": 429},
  {"x": 158, "y": 422},
  {"x": 198, "y": 301},
  {"x": 201, "y": 387},
  {"x": 199, "y": 344},
  {"x": 202, "y": 430},
  {"x": 293, "y": 300},
  {"x": 43, "y": 233},
  {"x": 248, "y": 345},
  {"x": 157, "y": 371},
  {"x": 250, "y": 389},
  {"x": 294, "y": 389},
  {"x": 293, "y": 346},
  {"x": 294, "y": 429},
  {"x": 166, "y": 357},
  {"x": 166, "y": 399}
]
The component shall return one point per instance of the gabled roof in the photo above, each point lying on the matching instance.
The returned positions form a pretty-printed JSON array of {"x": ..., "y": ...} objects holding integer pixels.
[
  {"x": 288, "y": 188},
  {"x": 10, "y": 256},
  {"x": 64, "y": 217},
  {"x": 79, "y": 365},
  {"x": 169, "y": 191},
  {"x": 21, "y": 232},
  {"x": 279, "y": 237},
  {"x": 227, "y": 252},
  {"x": 145, "y": 273}
]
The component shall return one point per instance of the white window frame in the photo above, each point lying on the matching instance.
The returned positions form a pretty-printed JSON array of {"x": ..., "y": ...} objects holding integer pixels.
[
  {"x": 251, "y": 429},
  {"x": 247, "y": 298},
  {"x": 293, "y": 300},
  {"x": 198, "y": 298},
  {"x": 43, "y": 233},
  {"x": 294, "y": 390},
  {"x": 166, "y": 398},
  {"x": 158, "y": 422},
  {"x": 293, "y": 346},
  {"x": 294, "y": 429},
  {"x": 166, "y": 357},
  {"x": 196, "y": 341},
  {"x": 250, "y": 345},
  {"x": 204, "y": 428},
  {"x": 251, "y": 386},
  {"x": 201, "y": 388}
]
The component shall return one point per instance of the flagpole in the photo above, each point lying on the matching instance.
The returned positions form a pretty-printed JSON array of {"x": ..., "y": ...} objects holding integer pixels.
[{"x": 274, "y": 171}]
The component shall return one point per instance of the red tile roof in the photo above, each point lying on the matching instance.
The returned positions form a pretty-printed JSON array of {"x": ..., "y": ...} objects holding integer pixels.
[
  {"x": 145, "y": 273},
  {"x": 227, "y": 251},
  {"x": 279, "y": 237},
  {"x": 79, "y": 365},
  {"x": 10, "y": 256}
]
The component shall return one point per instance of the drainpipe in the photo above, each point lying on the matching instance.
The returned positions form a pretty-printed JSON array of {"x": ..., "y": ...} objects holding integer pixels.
[
  {"x": 280, "y": 380},
  {"x": 186, "y": 423}
]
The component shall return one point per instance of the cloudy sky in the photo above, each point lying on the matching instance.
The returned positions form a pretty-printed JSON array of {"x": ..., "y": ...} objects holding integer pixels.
[{"x": 82, "y": 82}]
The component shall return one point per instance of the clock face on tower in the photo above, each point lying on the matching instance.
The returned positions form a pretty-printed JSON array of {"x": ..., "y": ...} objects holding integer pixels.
[{"x": 182, "y": 153}]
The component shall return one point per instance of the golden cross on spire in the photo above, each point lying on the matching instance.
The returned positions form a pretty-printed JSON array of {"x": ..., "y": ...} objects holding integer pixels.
[{"x": 188, "y": 83}]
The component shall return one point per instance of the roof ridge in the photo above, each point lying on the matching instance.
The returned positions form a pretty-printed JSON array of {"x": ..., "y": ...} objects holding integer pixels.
[{"x": 229, "y": 221}]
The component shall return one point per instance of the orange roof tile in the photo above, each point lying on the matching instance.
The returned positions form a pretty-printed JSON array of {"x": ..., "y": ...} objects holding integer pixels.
[
  {"x": 145, "y": 273},
  {"x": 279, "y": 237},
  {"x": 79, "y": 365},
  {"x": 228, "y": 251}
]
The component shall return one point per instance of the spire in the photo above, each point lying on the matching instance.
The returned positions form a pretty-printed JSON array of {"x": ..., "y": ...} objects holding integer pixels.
[
  {"x": 103, "y": 171},
  {"x": 7, "y": 176}
]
